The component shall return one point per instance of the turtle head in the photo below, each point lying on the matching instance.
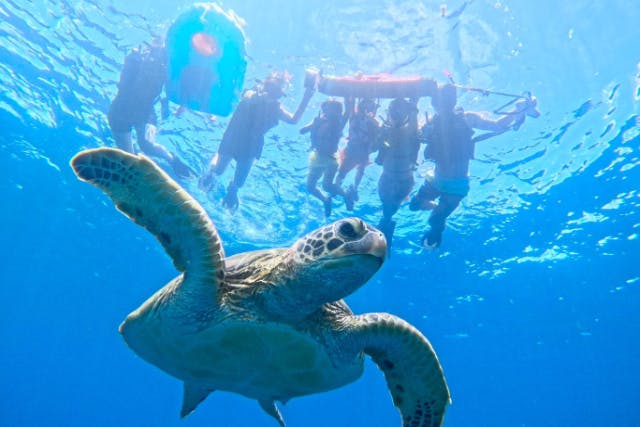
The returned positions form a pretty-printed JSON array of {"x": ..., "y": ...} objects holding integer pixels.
[
  {"x": 330, "y": 263},
  {"x": 337, "y": 245}
]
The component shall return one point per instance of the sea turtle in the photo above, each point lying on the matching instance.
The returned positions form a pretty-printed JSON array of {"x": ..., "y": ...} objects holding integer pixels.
[{"x": 268, "y": 324}]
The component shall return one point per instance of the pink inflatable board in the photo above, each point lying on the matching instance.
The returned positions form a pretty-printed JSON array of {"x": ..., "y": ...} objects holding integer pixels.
[{"x": 373, "y": 86}]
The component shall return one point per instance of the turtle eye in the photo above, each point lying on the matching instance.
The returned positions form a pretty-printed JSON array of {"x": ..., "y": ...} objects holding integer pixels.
[{"x": 346, "y": 230}]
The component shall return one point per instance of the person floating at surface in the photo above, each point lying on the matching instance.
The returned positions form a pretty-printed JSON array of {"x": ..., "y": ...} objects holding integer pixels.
[
  {"x": 258, "y": 111},
  {"x": 141, "y": 81},
  {"x": 364, "y": 132},
  {"x": 450, "y": 144},
  {"x": 326, "y": 131},
  {"x": 397, "y": 156}
]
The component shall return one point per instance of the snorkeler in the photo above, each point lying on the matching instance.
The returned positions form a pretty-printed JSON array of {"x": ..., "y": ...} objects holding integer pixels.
[
  {"x": 259, "y": 110},
  {"x": 141, "y": 81},
  {"x": 363, "y": 139},
  {"x": 326, "y": 131},
  {"x": 397, "y": 156},
  {"x": 450, "y": 144}
]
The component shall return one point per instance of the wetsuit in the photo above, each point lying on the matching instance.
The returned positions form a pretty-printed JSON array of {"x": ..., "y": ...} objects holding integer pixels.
[
  {"x": 243, "y": 138},
  {"x": 450, "y": 146},
  {"x": 141, "y": 81}
]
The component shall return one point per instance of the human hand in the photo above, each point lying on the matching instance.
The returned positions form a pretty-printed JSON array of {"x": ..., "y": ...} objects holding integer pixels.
[
  {"x": 528, "y": 106},
  {"x": 523, "y": 108},
  {"x": 311, "y": 80}
]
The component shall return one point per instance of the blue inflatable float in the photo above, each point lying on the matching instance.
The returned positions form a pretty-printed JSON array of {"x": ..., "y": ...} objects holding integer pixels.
[{"x": 207, "y": 59}]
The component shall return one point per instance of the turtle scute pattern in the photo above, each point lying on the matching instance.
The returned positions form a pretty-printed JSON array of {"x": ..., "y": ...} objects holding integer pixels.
[{"x": 142, "y": 191}]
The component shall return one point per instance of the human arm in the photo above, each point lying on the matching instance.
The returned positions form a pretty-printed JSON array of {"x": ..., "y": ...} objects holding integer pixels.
[
  {"x": 413, "y": 114},
  {"x": 307, "y": 128},
  {"x": 294, "y": 118},
  {"x": 512, "y": 119},
  {"x": 374, "y": 131},
  {"x": 349, "y": 105},
  {"x": 381, "y": 145},
  {"x": 479, "y": 121},
  {"x": 414, "y": 129}
]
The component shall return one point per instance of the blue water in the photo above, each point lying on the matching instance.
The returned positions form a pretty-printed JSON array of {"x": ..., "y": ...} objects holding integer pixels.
[{"x": 531, "y": 303}]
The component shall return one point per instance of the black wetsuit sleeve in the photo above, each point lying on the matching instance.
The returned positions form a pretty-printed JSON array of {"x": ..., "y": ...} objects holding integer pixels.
[{"x": 129, "y": 70}]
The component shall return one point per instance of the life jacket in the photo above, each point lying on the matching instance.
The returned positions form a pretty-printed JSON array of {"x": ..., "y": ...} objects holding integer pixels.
[
  {"x": 363, "y": 134},
  {"x": 325, "y": 135},
  {"x": 448, "y": 138}
]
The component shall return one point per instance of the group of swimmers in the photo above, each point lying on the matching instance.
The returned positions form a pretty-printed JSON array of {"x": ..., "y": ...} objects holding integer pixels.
[{"x": 396, "y": 139}]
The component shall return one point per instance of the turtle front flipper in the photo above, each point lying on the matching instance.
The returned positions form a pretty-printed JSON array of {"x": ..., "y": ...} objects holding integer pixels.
[
  {"x": 150, "y": 198},
  {"x": 410, "y": 365}
]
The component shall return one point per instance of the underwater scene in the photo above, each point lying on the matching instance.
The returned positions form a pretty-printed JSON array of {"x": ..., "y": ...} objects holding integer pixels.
[{"x": 365, "y": 213}]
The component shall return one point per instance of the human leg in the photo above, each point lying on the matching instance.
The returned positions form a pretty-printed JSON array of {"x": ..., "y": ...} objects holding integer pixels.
[
  {"x": 334, "y": 189},
  {"x": 329, "y": 173},
  {"x": 350, "y": 195},
  {"x": 346, "y": 165},
  {"x": 393, "y": 189},
  {"x": 424, "y": 198},
  {"x": 123, "y": 141},
  {"x": 437, "y": 220},
  {"x": 217, "y": 166},
  {"x": 146, "y": 136},
  {"x": 313, "y": 177},
  {"x": 391, "y": 200},
  {"x": 120, "y": 125},
  {"x": 342, "y": 171},
  {"x": 318, "y": 166},
  {"x": 243, "y": 167},
  {"x": 352, "y": 191}
]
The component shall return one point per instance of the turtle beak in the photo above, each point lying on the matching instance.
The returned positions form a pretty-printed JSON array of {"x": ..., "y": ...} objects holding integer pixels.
[
  {"x": 372, "y": 243},
  {"x": 375, "y": 243},
  {"x": 379, "y": 245}
]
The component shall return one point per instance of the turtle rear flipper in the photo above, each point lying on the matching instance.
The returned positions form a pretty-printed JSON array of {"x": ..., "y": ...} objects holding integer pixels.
[
  {"x": 410, "y": 365},
  {"x": 269, "y": 406},
  {"x": 150, "y": 198},
  {"x": 193, "y": 395}
]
